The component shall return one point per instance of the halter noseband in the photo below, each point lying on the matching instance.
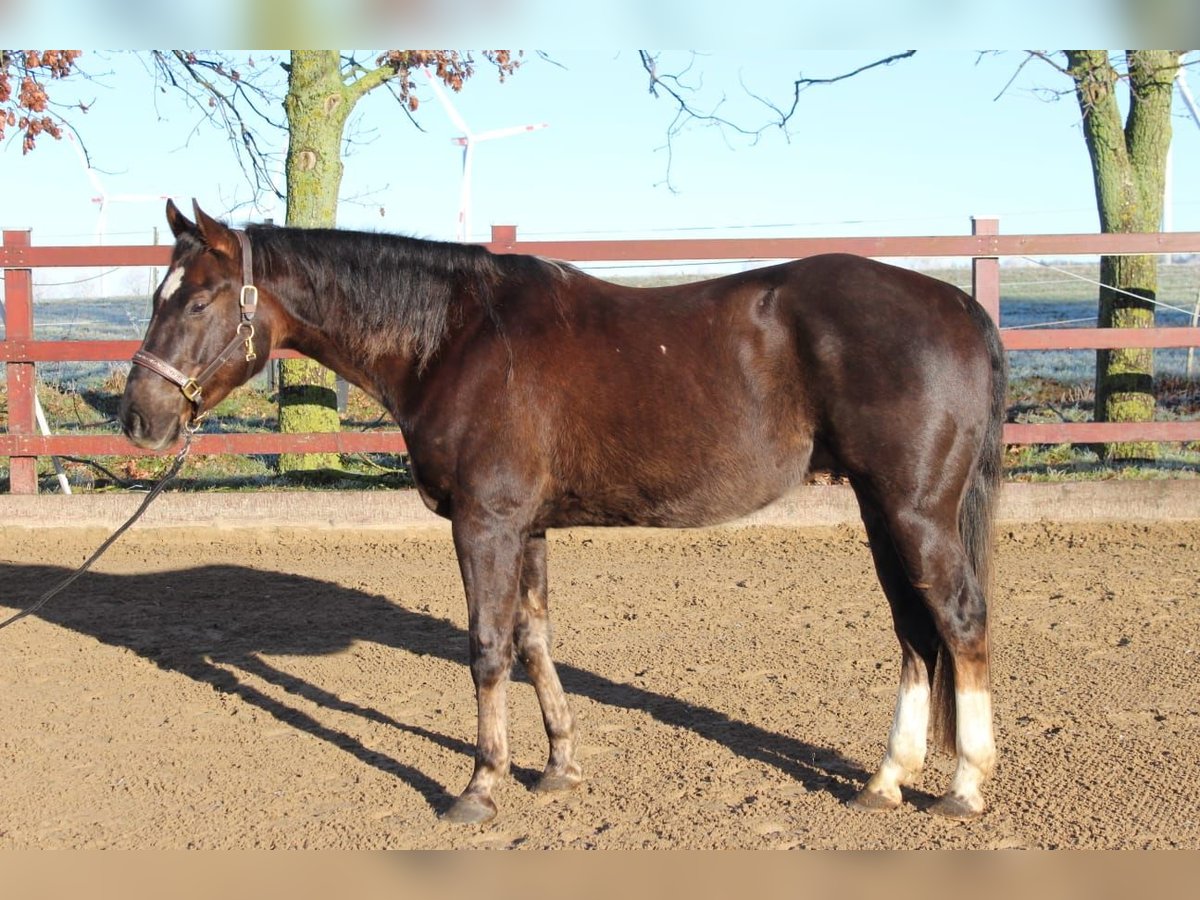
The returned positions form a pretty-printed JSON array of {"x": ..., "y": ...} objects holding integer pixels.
[{"x": 192, "y": 387}]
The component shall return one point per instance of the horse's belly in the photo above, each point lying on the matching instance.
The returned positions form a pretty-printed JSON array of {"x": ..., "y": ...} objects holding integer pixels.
[{"x": 705, "y": 497}]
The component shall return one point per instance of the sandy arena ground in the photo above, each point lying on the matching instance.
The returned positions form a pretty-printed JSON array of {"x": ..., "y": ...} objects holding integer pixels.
[{"x": 733, "y": 687}]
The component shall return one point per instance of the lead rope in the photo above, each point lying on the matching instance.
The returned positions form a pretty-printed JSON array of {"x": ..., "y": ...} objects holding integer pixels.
[{"x": 157, "y": 489}]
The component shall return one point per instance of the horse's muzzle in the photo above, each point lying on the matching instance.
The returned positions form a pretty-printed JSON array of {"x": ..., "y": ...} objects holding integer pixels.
[{"x": 145, "y": 430}]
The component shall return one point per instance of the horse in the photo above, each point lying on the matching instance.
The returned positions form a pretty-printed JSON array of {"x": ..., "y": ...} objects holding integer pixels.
[{"x": 533, "y": 396}]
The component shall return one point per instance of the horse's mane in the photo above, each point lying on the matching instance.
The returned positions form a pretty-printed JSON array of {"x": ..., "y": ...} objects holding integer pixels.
[{"x": 382, "y": 291}]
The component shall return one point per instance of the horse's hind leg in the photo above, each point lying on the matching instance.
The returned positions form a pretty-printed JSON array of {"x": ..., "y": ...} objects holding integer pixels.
[
  {"x": 532, "y": 638},
  {"x": 919, "y": 641},
  {"x": 928, "y": 544}
]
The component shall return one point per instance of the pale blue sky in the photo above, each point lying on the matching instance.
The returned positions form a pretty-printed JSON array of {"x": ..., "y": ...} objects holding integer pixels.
[
  {"x": 916, "y": 148},
  {"x": 750, "y": 24}
]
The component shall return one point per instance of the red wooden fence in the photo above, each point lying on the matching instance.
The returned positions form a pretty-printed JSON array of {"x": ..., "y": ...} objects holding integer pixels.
[{"x": 984, "y": 246}]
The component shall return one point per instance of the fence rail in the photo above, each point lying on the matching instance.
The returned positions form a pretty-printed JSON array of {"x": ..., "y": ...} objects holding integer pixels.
[{"x": 20, "y": 352}]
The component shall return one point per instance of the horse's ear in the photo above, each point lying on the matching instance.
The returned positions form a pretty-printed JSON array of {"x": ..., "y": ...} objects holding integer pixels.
[
  {"x": 178, "y": 222},
  {"x": 216, "y": 236}
]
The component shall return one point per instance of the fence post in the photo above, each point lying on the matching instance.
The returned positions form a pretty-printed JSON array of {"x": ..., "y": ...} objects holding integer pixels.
[
  {"x": 18, "y": 326},
  {"x": 503, "y": 238},
  {"x": 985, "y": 270}
]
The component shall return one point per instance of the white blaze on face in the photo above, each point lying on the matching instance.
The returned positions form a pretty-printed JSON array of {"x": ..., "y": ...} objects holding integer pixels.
[{"x": 171, "y": 284}]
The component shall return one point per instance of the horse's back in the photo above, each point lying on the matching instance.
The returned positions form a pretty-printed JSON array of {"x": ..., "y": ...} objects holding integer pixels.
[{"x": 791, "y": 341}]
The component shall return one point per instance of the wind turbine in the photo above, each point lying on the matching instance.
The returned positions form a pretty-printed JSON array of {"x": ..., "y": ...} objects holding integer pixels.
[
  {"x": 467, "y": 140},
  {"x": 102, "y": 198}
]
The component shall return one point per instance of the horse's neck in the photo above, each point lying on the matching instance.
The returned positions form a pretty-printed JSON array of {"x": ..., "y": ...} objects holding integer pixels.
[{"x": 386, "y": 377}]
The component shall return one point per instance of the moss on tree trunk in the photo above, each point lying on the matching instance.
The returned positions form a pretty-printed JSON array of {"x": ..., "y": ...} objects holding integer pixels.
[
  {"x": 1129, "y": 170},
  {"x": 1125, "y": 377},
  {"x": 317, "y": 105}
]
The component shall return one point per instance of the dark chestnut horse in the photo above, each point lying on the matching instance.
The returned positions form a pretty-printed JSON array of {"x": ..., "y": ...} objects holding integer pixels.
[{"x": 533, "y": 396}]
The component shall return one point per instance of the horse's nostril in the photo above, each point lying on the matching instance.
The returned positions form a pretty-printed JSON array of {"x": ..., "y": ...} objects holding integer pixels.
[{"x": 133, "y": 424}]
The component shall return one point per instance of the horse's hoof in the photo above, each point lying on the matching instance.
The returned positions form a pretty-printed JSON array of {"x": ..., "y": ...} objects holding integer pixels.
[
  {"x": 554, "y": 782},
  {"x": 956, "y": 808},
  {"x": 470, "y": 809},
  {"x": 872, "y": 801}
]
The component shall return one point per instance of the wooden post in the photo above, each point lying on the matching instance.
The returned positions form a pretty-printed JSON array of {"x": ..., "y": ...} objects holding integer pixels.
[
  {"x": 985, "y": 270},
  {"x": 18, "y": 326},
  {"x": 503, "y": 239}
]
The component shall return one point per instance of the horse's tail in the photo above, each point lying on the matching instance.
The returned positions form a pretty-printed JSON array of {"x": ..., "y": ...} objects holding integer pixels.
[{"x": 975, "y": 521}]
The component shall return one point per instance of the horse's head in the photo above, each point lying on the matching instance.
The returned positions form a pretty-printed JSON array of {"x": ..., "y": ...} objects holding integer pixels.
[{"x": 207, "y": 332}]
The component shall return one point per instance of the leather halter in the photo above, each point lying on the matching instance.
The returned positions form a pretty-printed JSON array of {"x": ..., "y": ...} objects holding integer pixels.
[{"x": 192, "y": 387}]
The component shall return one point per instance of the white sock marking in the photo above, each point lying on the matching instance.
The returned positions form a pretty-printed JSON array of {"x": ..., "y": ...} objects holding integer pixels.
[
  {"x": 905, "y": 755},
  {"x": 975, "y": 745},
  {"x": 906, "y": 743}
]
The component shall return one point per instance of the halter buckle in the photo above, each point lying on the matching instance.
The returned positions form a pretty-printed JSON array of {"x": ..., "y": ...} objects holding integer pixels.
[
  {"x": 249, "y": 299},
  {"x": 191, "y": 389}
]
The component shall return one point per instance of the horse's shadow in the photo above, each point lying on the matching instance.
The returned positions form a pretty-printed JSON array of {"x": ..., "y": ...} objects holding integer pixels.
[{"x": 210, "y": 622}]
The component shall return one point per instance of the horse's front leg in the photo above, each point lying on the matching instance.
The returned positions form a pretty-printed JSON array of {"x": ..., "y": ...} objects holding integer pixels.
[
  {"x": 533, "y": 649},
  {"x": 490, "y": 552}
]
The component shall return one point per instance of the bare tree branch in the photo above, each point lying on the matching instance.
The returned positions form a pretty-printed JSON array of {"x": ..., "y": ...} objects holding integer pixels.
[
  {"x": 229, "y": 100},
  {"x": 1030, "y": 56},
  {"x": 803, "y": 84},
  {"x": 682, "y": 94}
]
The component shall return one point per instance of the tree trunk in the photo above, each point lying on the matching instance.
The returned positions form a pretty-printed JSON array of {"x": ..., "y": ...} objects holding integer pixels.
[
  {"x": 317, "y": 106},
  {"x": 1129, "y": 169}
]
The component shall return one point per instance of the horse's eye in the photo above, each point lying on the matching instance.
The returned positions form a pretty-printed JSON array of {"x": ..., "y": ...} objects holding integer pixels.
[{"x": 198, "y": 307}]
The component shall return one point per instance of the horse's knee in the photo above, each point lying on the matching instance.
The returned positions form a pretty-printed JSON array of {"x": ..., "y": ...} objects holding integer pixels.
[
  {"x": 491, "y": 658},
  {"x": 531, "y": 637}
]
